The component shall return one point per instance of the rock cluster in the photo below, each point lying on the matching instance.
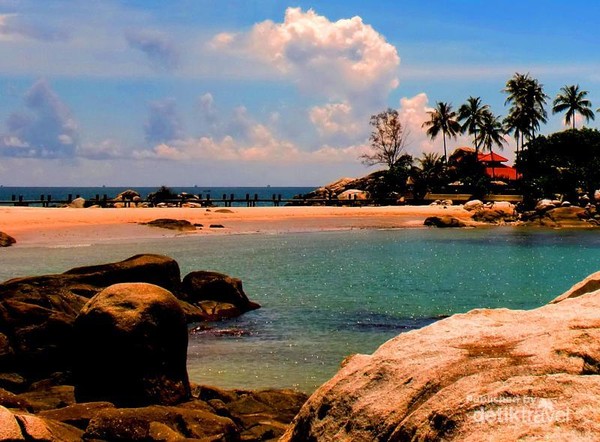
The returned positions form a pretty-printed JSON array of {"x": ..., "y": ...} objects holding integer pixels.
[
  {"x": 113, "y": 367},
  {"x": 37, "y": 314},
  {"x": 485, "y": 375},
  {"x": 548, "y": 215}
]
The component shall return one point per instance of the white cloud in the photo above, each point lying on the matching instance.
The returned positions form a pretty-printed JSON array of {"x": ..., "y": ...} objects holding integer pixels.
[
  {"x": 336, "y": 118},
  {"x": 341, "y": 60}
]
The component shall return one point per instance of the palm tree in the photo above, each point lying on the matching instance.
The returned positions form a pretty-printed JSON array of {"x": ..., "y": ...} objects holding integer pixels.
[
  {"x": 527, "y": 97},
  {"x": 573, "y": 100},
  {"x": 442, "y": 119},
  {"x": 492, "y": 133},
  {"x": 472, "y": 113}
]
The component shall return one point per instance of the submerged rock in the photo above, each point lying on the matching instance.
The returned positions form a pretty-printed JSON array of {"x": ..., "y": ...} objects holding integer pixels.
[
  {"x": 131, "y": 346},
  {"x": 484, "y": 375}
]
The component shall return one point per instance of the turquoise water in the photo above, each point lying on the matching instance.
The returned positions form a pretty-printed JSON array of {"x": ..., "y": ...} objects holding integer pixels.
[{"x": 330, "y": 294}]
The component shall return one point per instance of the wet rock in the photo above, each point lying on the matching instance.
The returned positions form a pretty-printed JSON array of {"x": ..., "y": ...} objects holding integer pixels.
[
  {"x": 131, "y": 346},
  {"x": 444, "y": 221},
  {"x": 213, "y": 286}
]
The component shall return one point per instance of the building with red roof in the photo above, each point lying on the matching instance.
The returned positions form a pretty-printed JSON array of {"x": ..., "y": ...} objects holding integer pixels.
[{"x": 494, "y": 164}]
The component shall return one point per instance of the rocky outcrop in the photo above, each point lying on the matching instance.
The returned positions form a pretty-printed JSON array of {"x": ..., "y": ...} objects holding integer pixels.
[
  {"x": 37, "y": 313},
  {"x": 131, "y": 346},
  {"x": 496, "y": 213},
  {"x": 211, "y": 414},
  {"x": 484, "y": 375},
  {"x": 443, "y": 222},
  {"x": 569, "y": 216},
  {"x": 6, "y": 240},
  {"x": 588, "y": 285}
]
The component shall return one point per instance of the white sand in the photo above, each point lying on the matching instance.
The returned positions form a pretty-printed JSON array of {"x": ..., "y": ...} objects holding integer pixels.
[{"x": 33, "y": 225}]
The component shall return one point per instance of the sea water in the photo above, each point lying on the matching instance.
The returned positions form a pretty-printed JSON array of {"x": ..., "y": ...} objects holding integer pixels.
[{"x": 327, "y": 295}]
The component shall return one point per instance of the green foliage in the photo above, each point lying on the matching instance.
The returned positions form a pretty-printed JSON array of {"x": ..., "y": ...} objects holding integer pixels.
[
  {"x": 429, "y": 175},
  {"x": 471, "y": 173},
  {"x": 572, "y": 100},
  {"x": 442, "y": 119},
  {"x": 163, "y": 193},
  {"x": 392, "y": 182},
  {"x": 565, "y": 163}
]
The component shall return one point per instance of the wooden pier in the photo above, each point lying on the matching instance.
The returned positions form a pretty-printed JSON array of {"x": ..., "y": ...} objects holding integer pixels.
[{"x": 230, "y": 200}]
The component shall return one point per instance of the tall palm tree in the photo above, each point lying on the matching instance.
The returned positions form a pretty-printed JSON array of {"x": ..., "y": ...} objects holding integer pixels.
[
  {"x": 471, "y": 114},
  {"x": 573, "y": 100},
  {"x": 442, "y": 119},
  {"x": 492, "y": 133},
  {"x": 527, "y": 97}
]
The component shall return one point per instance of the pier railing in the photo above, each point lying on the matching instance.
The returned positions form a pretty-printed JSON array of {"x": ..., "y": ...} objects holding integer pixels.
[{"x": 227, "y": 200}]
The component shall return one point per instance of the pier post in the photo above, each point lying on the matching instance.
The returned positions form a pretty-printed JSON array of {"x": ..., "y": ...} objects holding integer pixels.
[
  {"x": 255, "y": 200},
  {"x": 69, "y": 198},
  {"x": 247, "y": 200}
]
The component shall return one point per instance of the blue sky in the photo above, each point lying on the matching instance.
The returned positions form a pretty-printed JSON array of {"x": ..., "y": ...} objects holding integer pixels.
[{"x": 247, "y": 92}]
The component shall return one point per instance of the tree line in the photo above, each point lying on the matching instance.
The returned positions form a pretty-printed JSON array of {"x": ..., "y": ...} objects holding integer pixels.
[{"x": 538, "y": 158}]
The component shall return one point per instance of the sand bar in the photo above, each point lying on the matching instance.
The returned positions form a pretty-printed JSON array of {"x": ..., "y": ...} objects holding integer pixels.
[{"x": 35, "y": 225}]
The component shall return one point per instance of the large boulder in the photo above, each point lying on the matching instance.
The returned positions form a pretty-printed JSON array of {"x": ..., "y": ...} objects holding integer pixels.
[
  {"x": 201, "y": 286},
  {"x": 131, "y": 346},
  {"x": 37, "y": 313},
  {"x": 6, "y": 240},
  {"x": 484, "y": 375}
]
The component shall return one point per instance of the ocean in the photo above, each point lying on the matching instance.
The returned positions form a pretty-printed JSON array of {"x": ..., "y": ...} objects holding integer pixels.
[
  {"x": 62, "y": 193},
  {"x": 327, "y": 295}
]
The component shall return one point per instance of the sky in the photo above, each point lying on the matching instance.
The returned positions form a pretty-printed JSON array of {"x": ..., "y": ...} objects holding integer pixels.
[{"x": 256, "y": 93}]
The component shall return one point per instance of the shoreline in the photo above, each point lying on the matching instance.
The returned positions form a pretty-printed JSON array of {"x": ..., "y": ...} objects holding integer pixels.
[{"x": 32, "y": 226}]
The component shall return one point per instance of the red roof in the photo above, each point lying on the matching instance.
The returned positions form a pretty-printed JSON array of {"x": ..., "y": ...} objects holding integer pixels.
[
  {"x": 503, "y": 172},
  {"x": 492, "y": 157}
]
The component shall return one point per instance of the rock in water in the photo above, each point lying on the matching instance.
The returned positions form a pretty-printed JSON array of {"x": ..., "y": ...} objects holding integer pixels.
[
  {"x": 131, "y": 347},
  {"x": 443, "y": 221},
  {"x": 484, "y": 375},
  {"x": 213, "y": 286}
]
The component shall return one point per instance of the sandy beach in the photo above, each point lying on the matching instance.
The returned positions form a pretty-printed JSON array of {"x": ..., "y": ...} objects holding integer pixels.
[{"x": 34, "y": 225}]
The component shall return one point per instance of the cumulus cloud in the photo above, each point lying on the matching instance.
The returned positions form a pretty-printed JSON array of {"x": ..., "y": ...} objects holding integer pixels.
[
  {"x": 160, "y": 50},
  {"x": 342, "y": 60},
  {"x": 163, "y": 123},
  {"x": 46, "y": 130},
  {"x": 336, "y": 119},
  {"x": 14, "y": 26},
  {"x": 413, "y": 113}
]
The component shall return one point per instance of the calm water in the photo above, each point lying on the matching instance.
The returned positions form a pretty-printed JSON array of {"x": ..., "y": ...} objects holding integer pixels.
[
  {"x": 327, "y": 295},
  {"x": 61, "y": 193}
]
